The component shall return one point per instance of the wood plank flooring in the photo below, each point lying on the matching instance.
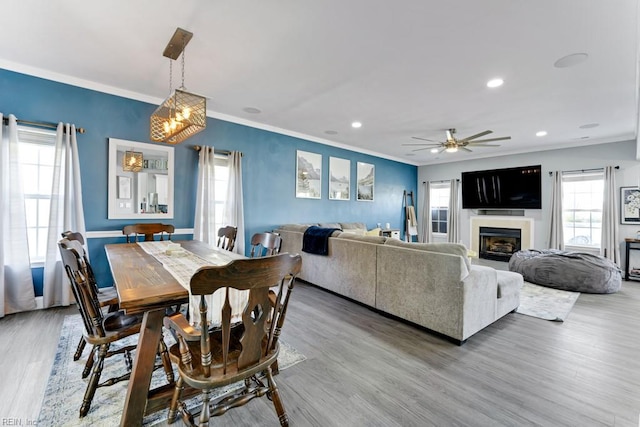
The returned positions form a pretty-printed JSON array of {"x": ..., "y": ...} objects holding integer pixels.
[{"x": 364, "y": 369}]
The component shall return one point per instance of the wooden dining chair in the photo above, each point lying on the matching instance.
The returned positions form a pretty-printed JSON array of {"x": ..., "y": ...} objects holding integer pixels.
[
  {"x": 227, "y": 237},
  {"x": 134, "y": 232},
  {"x": 101, "y": 330},
  {"x": 265, "y": 244},
  {"x": 107, "y": 297},
  {"x": 233, "y": 352}
]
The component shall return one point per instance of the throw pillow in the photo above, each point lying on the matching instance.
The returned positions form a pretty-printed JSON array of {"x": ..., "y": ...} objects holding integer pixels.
[
  {"x": 445, "y": 248},
  {"x": 373, "y": 232}
]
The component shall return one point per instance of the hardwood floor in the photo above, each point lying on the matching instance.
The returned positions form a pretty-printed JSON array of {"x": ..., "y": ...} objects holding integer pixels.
[{"x": 364, "y": 369}]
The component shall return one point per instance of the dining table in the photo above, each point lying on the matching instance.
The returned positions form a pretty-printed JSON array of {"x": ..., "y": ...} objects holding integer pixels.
[{"x": 148, "y": 281}]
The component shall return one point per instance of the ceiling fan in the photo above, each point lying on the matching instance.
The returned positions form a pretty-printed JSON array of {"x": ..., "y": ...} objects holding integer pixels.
[{"x": 451, "y": 145}]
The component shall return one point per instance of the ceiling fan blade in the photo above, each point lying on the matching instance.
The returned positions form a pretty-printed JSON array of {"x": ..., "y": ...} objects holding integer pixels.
[
  {"x": 491, "y": 139},
  {"x": 478, "y": 135},
  {"x": 466, "y": 149},
  {"x": 420, "y": 149},
  {"x": 483, "y": 145},
  {"x": 435, "y": 144},
  {"x": 423, "y": 139}
]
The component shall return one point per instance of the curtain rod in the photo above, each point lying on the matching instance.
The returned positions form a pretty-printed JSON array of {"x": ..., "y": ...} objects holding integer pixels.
[
  {"x": 223, "y": 152},
  {"x": 444, "y": 180},
  {"x": 585, "y": 170},
  {"x": 48, "y": 125}
]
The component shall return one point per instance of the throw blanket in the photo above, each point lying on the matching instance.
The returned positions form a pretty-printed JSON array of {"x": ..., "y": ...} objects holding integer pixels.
[{"x": 316, "y": 240}]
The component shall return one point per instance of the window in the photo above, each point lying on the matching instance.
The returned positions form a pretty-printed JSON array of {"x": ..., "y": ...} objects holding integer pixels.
[
  {"x": 582, "y": 201},
  {"x": 221, "y": 173},
  {"x": 36, "y": 155},
  {"x": 439, "y": 202}
]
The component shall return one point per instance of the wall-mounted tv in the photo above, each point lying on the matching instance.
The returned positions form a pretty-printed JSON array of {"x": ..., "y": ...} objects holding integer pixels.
[{"x": 511, "y": 188}]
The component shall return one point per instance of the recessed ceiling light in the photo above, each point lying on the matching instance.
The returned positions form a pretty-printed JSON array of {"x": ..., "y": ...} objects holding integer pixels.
[
  {"x": 331, "y": 132},
  {"x": 410, "y": 154},
  {"x": 541, "y": 133},
  {"x": 571, "y": 60},
  {"x": 434, "y": 150},
  {"x": 590, "y": 125},
  {"x": 495, "y": 82},
  {"x": 356, "y": 125},
  {"x": 251, "y": 110}
]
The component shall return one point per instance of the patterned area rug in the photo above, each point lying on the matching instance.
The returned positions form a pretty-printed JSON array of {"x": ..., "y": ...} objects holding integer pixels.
[
  {"x": 546, "y": 303},
  {"x": 65, "y": 388}
]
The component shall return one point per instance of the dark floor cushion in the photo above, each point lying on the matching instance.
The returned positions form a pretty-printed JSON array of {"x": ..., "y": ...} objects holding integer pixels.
[{"x": 569, "y": 271}]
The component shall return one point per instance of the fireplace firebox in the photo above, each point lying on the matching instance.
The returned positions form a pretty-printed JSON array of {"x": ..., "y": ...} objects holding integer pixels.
[{"x": 499, "y": 244}]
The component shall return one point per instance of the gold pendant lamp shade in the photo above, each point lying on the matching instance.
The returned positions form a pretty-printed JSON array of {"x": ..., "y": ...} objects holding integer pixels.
[
  {"x": 132, "y": 161},
  {"x": 182, "y": 114}
]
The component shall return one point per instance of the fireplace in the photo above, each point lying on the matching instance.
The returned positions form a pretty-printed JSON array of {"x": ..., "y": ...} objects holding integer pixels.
[{"x": 499, "y": 243}]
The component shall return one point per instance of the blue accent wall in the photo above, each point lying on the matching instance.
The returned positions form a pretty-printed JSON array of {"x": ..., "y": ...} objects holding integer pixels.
[{"x": 268, "y": 164}]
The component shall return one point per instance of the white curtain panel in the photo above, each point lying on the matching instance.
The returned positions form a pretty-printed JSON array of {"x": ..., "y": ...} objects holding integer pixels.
[
  {"x": 425, "y": 237},
  {"x": 16, "y": 283},
  {"x": 205, "y": 218},
  {"x": 66, "y": 213},
  {"x": 234, "y": 208},
  {"x": 453, "y": 216},
  {"x": 556, "y": 235},
  {"x": 609, "y": 248}
]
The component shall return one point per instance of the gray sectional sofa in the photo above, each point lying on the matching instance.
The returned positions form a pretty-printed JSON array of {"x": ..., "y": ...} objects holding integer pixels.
[{"x": 432, "y": 285}]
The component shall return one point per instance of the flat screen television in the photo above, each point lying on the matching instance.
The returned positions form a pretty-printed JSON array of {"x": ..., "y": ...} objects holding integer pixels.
[{"x": 511, "y": 188}]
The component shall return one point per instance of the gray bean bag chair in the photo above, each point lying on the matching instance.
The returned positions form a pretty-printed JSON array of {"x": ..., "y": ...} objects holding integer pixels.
[{"x": 569, "y": 271}]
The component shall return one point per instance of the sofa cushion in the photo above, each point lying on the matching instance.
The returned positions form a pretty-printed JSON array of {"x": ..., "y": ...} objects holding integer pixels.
[
  {"x": 295, "y": 227},
  {"x": 330, "y": 225},
  {"x": 445, "y": 248},
  {"x": 358, "y": 231},
  {"x": 368, "y": 239},
  {"x": 353, "y": 225}
]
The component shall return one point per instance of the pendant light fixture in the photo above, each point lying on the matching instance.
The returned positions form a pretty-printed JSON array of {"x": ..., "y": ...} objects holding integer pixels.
[
  {"x": 182, "y": 114},
  {"x": 132, "y": 161}
]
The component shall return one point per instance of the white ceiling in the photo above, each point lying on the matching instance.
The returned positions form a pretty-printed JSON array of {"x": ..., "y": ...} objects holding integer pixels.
[{"x": 403, "y": 68}]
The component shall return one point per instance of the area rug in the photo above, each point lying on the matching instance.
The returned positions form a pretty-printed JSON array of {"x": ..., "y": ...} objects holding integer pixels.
[
  {"x": 546, "y": 303},
  {"x": 65, "y": 388}
]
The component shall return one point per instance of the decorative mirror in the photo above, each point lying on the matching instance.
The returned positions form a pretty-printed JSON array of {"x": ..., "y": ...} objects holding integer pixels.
[{"x": 140, "y": 180}]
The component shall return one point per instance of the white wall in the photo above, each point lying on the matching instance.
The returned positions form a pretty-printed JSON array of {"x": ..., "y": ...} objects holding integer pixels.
[{"x": 621, "y": 154}]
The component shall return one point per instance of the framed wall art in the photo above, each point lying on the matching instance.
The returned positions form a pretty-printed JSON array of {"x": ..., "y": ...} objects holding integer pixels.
[
  {"x": 124, "y": 187},
  {"x": 365, "y": 181},
  {"x": 339, "y": 178},
  {"x": 308, "y": 174},
  {"x": 629, "y": 205}
]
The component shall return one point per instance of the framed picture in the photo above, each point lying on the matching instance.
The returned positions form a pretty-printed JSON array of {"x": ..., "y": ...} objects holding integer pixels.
[
  {"x": 308, "y": 174},
  {"x": 629, "y": 205},
  {"x": 124, "y": 187},
  {"x": 365, "y": 181},
  {"x": 339, "y": 178}
]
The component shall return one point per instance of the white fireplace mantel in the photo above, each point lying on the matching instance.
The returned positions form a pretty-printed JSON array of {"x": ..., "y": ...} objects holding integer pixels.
[{"x": 525, "y": 225}]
